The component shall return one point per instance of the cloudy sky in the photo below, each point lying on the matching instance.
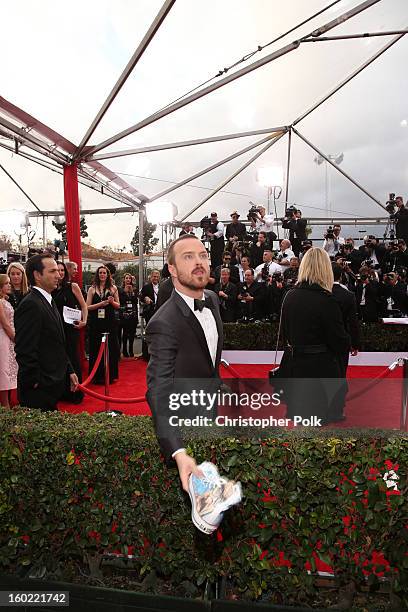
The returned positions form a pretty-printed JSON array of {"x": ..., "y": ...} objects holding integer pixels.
[{"x": 60, "y": 64}]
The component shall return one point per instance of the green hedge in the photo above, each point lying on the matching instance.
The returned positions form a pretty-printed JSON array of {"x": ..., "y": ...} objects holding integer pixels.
[
  {"x": 77, "y": 486},
  {"x": 262, "y": 337}
]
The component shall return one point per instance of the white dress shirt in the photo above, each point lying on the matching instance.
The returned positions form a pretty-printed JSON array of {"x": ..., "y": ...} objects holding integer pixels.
[
  {"x": 289, "y": 254},
  {"x": 45, "y": 293},
  {"x": 207, "y": 322},
  {"x": 273, "y": 267},
  {"x": 218, "y": 233},
  {"x": 265, "y": 224}
]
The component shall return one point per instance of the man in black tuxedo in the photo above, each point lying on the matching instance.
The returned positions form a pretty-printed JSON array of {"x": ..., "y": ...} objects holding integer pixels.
[
  {"x": 148, "y": 295},
  {"x": 43, "y": 363},
  {"x": 227, "y": 294},
  {"x": 184, "y": 338}
]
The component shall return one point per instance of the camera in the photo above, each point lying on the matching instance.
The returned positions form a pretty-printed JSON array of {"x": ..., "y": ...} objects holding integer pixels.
[
  {"x": 244, "y": 291},
  {"x": 306, "y": 245},
  {"x": 290, "y": 212},
  {"x": 329, "y": 235},
  {"x": 277, "y": 277},
  {"x": 253, "y": 213},
  {"x": 265, "y": 272},
  {"x": 205, "y": 224},
  {"x": 391, "y": 205}
]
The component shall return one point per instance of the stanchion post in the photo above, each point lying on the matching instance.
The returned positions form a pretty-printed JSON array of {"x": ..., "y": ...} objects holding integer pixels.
[
  {"x": 106, "y": 367},
  {"x": 404, "y": 405}
]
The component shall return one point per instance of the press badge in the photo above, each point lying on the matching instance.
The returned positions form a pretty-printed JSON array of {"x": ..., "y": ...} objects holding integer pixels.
[
  {"x": 101, "y": 313},
  {"x": 129, "y": 305}
]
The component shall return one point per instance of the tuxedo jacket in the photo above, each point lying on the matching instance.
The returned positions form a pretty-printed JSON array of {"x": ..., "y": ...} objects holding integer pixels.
[
  {"x": 40, "y": 343},
  {"x": 178, "y": 350}
]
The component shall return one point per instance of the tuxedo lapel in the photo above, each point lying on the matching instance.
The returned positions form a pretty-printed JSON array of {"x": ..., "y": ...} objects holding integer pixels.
[
  {"x": 54, "y": 313},
  {"x": 218, "y": 320}
]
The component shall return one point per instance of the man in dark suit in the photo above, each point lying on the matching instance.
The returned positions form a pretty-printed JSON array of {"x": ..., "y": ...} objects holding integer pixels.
[
  {"x": 148, "y": 295},
  {"x": 348, "y": 306},
  {"x": 43, "y": 364},
  {"x": 185, "y": 341},
  {"x": 227, "y": 294}
]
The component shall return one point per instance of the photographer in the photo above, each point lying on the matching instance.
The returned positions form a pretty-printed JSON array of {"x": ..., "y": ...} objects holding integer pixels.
[
  {"x": 215, "y": 234},
  {"x": 297, "y": 227},
  {"x": 186, "y": 228},
  {"x": 251, "y": 297},
  {"x": 257, "y": 249},
  {"x": 266, "y": 268},
  {"x": 226, "y": 263},
  {"x": 262, "y": 222},
  {"x": 275, "y": 290},
  {"x": 352, "y": 255},
  {"x": 243, "y": 265},
  {"x": 372, "y": 253},
  {"x": 305, "y": 247},
  {"x": 401, "y": 218},
  {"x": 227, "y": 294},
  {"x": 332, "y": 240},
  {"x": 394, "y": 296},
  {"x": 367, "y": 296},
  {"x": 290, "y": 275},
  {"x": 283, "y": 257},
  {"x": 236, "y": 231}
]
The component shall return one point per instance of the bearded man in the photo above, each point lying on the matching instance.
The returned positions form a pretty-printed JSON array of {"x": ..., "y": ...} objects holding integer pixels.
[{"x": 184, "y": 339}]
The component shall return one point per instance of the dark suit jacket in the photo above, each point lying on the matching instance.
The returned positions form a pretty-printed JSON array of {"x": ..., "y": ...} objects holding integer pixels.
[
  {"x": 178, "y": 350},
  {"x": 147, "y": 309},
  {"x": 348, "y": 306},
  {"x": 165, "y": 291},
  {"x": 40, "y": 344}
]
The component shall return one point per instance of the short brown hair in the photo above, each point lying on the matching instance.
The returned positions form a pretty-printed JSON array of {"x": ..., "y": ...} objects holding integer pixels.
[
  {"x": 35, "y": 264},
  {"x": 170, "y": 253}
]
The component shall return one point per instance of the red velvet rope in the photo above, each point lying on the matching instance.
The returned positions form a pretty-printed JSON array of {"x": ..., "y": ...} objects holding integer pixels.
[
  {"x": 117, "y": 400},
  {"x": 96, "y": 365},
  {"x": 371, "y": 384},
  {"x": 135, "y": 400}
]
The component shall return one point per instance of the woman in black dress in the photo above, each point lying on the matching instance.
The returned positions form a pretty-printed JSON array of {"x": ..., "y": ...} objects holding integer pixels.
[
  {"x": 102, "y": 301},
  {"x": 69, "y": 295},
  {"x": 19, "y": 284},
  {"x": 128, "y": 298},
  {"x": 314, "y": 337}
]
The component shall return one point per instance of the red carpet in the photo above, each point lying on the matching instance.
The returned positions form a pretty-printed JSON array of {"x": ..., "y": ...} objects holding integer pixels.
[{"x": 379, "y": 407}]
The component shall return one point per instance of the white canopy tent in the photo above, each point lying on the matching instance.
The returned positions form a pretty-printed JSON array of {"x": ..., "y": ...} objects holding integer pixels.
[{"x": 313, "y": 83}]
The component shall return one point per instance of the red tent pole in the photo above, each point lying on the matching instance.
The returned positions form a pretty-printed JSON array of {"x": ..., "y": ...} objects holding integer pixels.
[{"x": 71, "y": 201}]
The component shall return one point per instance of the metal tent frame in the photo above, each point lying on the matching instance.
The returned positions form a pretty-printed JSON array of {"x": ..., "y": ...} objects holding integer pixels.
[{"x": 51, "y": 150}]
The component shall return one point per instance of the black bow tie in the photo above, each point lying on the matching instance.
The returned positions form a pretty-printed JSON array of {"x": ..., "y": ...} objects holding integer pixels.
[{"x": 200, "y": 304}]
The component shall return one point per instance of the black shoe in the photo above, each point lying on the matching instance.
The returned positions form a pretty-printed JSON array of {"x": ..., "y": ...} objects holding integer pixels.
[
  {"x": 131, "y": 354},
  {"x": 125, "y": 354}
]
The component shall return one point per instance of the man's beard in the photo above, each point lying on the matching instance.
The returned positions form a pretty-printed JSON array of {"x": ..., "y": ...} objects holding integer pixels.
[{"x": 194, "y": 281}]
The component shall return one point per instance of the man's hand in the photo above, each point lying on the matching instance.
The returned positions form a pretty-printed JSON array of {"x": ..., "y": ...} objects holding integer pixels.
[
  {"x": 148, "y": 300},
  {"x": 74, "y": 382},
  {"x": 353, "y": 352},
  {"x": 186, "y": 466}
]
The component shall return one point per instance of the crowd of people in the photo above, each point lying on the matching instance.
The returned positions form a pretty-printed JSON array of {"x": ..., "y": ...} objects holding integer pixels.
[{"x": 251, "y": 272}]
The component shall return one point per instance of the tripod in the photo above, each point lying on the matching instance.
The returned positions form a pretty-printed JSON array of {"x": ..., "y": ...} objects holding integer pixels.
[{"x": 390, "y": 229}]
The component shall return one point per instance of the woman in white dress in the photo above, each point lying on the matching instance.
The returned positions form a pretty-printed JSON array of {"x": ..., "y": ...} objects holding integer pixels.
[{"x": 8, "y": 364}]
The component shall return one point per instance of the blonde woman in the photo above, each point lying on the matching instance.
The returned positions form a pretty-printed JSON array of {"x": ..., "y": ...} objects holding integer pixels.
[
  {"x": 19, "y": 284},
  {"x": 8, "y": 364},
  {"x": 314, "y": 339}
]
